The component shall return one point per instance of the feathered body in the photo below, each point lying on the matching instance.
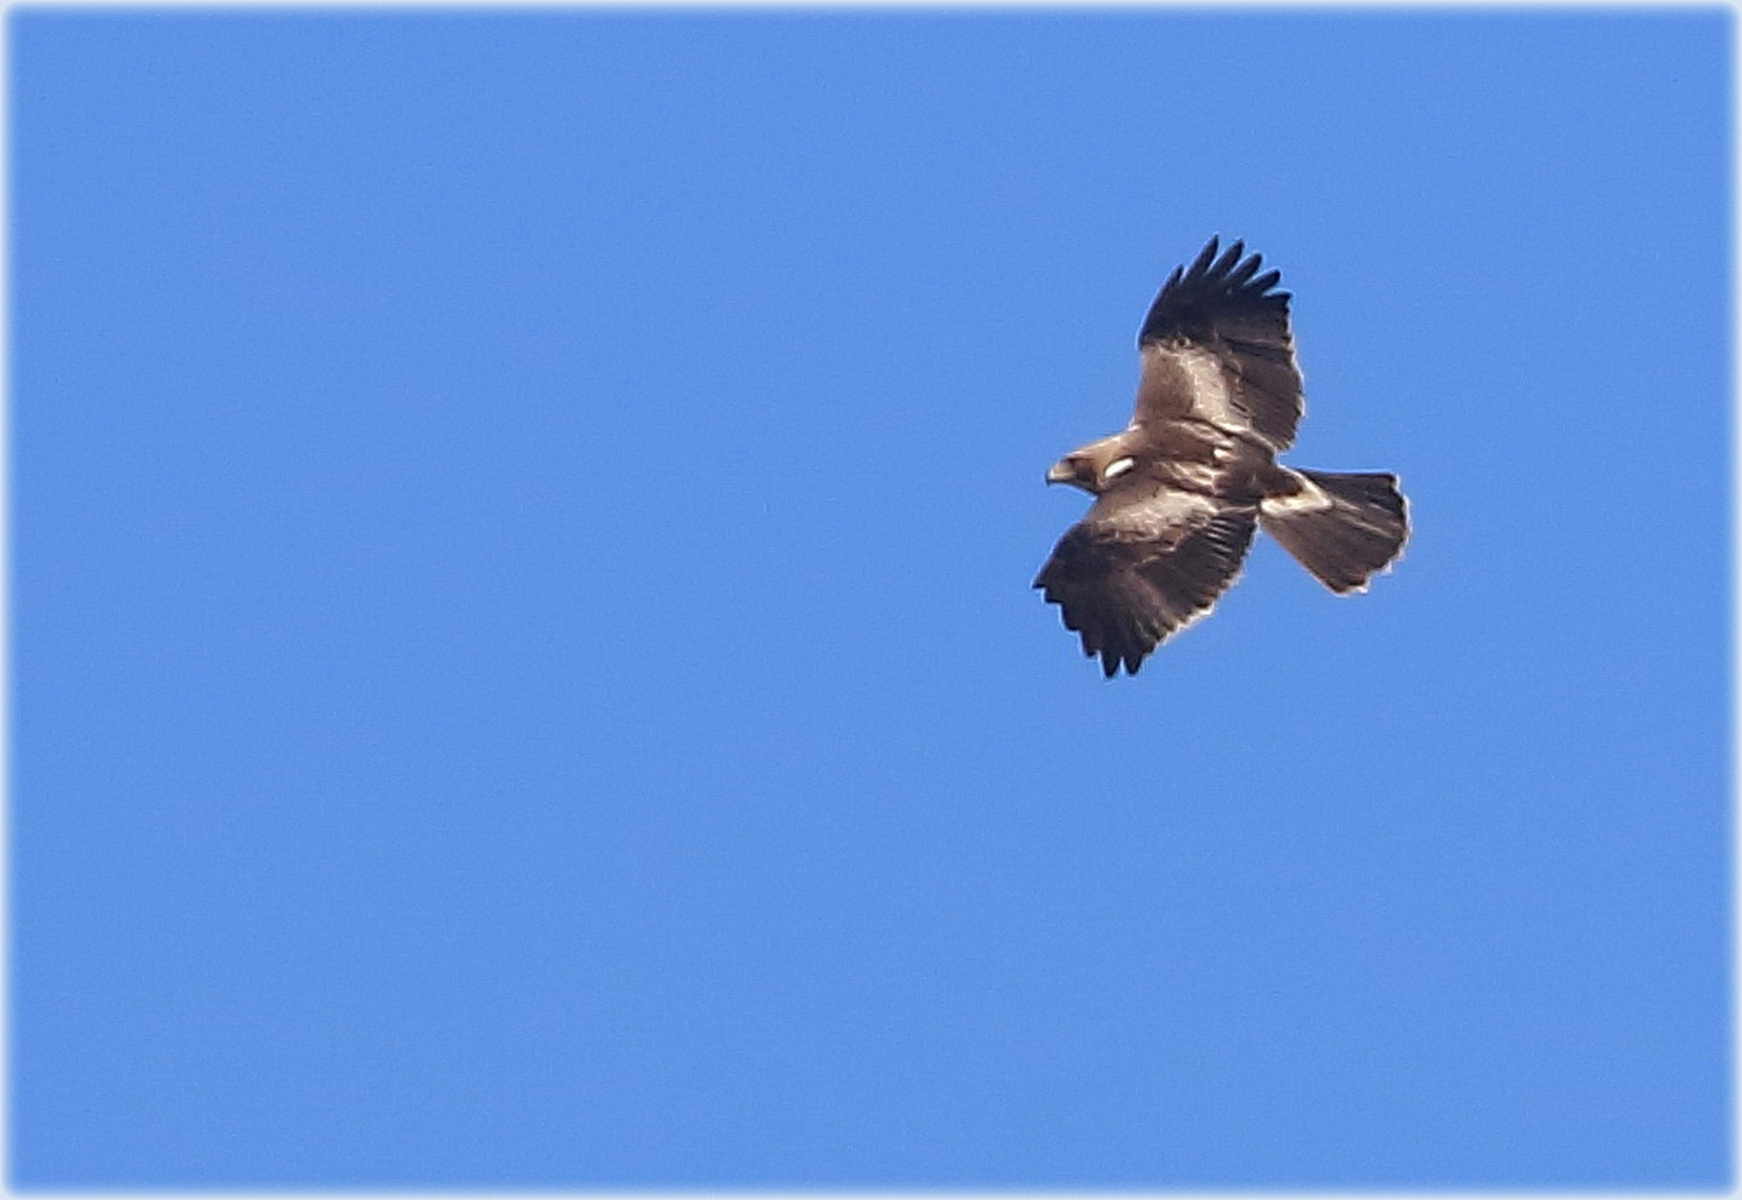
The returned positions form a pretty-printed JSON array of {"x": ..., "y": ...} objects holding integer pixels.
[{"x": 1180, "y": 492}]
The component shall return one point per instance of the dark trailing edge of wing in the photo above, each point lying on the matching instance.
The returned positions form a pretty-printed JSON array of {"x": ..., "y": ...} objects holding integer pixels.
[{"x": 1214, "y": 287}]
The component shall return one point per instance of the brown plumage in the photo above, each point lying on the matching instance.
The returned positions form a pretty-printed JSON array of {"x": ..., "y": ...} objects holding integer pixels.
[{"x": 1180, "y": 492}]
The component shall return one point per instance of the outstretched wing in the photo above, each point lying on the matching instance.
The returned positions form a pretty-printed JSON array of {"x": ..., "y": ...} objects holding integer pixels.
[
  {"x": 1216, "y": 346},
  {"x": 1137, "y": 569}
]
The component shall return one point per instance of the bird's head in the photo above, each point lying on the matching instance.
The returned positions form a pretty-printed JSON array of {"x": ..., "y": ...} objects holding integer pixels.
[{"x": 1094, "y": 467}]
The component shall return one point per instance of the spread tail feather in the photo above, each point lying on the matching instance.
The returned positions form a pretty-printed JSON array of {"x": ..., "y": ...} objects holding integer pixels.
[{"x": 1341, "y": 527}]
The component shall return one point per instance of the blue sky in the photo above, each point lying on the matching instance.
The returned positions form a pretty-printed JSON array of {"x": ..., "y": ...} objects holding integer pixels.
[{"x": 524, "y": 671}]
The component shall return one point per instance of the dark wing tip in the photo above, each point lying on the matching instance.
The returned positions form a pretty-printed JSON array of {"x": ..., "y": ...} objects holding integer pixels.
[
  {"x": 1106, "y": 633},
  {"x": 1215, "y": 284},
  {"x": 1230, "y": 256},
  {"x": 1201, "y": 263}
]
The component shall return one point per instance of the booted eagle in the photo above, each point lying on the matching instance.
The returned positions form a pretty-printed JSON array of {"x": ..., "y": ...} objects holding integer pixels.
[{"x": 1180, "y": 491}]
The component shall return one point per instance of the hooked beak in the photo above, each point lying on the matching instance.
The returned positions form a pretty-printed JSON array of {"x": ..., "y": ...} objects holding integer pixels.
[{"x": 1060, "y": 472}]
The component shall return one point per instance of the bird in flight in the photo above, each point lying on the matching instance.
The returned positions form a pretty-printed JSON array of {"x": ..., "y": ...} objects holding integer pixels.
[{"x": 1181, "y": 490}]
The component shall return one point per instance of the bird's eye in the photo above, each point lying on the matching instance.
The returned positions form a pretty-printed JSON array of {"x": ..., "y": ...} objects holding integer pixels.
[{"x": 1117, "y": 468}]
